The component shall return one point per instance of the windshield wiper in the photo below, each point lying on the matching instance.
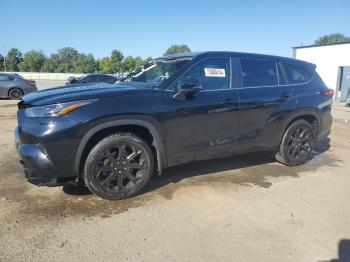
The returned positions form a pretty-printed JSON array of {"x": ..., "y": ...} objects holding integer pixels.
[{"x": 138, "y": 71}]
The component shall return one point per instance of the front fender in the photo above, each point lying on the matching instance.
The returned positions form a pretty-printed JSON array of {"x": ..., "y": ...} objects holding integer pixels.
[{"x": 157, "y": 140}]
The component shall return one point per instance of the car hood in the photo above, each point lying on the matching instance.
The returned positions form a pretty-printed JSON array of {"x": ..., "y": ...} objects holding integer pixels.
[{"x": 82, "y": 92}]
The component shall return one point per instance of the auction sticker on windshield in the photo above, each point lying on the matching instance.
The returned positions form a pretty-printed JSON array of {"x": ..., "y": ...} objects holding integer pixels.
[{"x": 214, "y": 72}]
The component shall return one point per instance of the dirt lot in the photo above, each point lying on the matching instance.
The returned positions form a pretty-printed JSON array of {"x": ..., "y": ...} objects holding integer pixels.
[{"x": 246, "y": 208}]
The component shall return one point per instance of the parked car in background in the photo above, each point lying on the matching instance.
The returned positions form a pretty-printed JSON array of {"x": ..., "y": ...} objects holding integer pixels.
[
  {"x": 92, "y": 78},
  {"x": 14, "y": 86},
  {"x": 173, "y": 110},
  {"x": 348, "y": 98}
]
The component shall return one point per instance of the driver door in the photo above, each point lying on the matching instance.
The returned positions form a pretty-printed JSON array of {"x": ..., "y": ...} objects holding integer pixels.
[{"x": 203, "y": 125}]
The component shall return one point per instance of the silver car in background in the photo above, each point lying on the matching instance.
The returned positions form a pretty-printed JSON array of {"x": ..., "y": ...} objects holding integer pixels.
[{"x": 14, "y": 86}]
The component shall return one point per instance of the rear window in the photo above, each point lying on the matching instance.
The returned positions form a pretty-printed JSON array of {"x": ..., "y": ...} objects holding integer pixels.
[
  {"x": 296, "y": 74},
  {"x": 257, "y": 72}
]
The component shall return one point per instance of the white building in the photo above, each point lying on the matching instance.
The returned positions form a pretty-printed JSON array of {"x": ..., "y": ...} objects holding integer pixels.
[{"x": 332, "y": 61}]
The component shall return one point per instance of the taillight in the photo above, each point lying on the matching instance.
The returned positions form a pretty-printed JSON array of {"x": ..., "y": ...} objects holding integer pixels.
[
  {"x": 328, "y": 92},
  {"x": 30, "y": 84}
]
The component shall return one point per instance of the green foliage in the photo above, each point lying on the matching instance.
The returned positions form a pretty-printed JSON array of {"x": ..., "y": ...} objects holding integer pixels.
[
  {"x": 33, "y": 61},
  {"x": 177, "y": 49},
  {"x": 116, "y": 59},
  {"x": 332, "y": 39},
  {"x": 106, "y": 65},
  {"x": 13, "y": 58},
  {"x": 70, "y": 60},
  {"x": 51, "y": 64},
  {"x": 67, "y": 58},
  {"x": 1, "y": 63},
  {"x": 129, "y": 64},
  {"x": 85, "y": 64},
  {"x": 148, "y": 59}
]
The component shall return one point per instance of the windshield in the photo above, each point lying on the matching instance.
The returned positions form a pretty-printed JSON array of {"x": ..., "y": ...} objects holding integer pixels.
[{"x": 156, "y": 72}]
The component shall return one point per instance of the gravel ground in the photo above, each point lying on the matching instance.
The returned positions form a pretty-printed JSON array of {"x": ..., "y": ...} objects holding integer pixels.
[{"x": 244, "y": 208}]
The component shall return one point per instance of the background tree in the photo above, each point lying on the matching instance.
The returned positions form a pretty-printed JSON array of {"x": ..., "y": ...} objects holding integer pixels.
[
  {"x": 148, "y": 59},
  {"x": 177, "y": 49},
  {"x": 33, "y": 61},
  {"x": 67, "y": 58},
  {"x": 85, "y": 64},
  {"x": 51, "y": 64},
  {"x": 13, "y": 58},
  {"x": 332, "y": 39},
  {"x": 105, "y": 65},
  {"x": 1, "y": 63},
  {"x": 117, "y": 59},
  {"x": 129, "y": 64}
]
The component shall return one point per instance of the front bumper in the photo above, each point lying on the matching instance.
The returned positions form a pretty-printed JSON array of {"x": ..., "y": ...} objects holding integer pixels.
[{"x": 38, "y": 168}]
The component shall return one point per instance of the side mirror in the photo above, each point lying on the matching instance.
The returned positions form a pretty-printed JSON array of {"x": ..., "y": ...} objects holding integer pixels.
[{"x": 186, "y": 89}]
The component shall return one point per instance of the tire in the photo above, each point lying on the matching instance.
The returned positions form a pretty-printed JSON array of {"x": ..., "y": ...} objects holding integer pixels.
[
  {"x": 118, "y": 167},
  {"x": 15, "y": 93},
  {"x": 297, "y": 143},
  {"x": 348, "y": 100}
]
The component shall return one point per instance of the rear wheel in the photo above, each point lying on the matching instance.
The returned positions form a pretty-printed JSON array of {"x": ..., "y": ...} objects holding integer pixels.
[
  {"x": 119, "y": 166},
  {"x": 297, "y": 143},
  {"x": 15, "y": 93}
]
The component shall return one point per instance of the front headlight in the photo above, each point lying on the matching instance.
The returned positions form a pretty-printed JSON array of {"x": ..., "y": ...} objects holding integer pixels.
[{"x": 54, "y": 110}]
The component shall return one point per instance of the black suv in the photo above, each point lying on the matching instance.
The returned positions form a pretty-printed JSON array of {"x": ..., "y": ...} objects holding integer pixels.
[{"x": 173, "y": 110}]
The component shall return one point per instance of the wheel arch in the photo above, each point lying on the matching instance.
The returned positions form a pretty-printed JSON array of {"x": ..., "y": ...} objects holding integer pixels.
[
  {"x": 134, "y": 126},
  {"x": 310, "y": 115}
]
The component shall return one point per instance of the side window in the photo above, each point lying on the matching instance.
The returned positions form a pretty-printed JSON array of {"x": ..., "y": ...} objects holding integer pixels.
[
  {"x": 296, "y": 74},
  {"x": 95, "y": 78},
  {"x": 106, "y": 79},
  {"x": 212, "y": 74},
  {"x": 86, "y": 79},
  {"x": 257, "y": 72},
  {"x": 4, "y": 78},
  {"x": 109, "y": 79}
]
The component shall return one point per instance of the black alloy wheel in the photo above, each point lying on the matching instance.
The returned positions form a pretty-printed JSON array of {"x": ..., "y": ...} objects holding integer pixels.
[
  {"x": 297, "y": 143},
  {"x": 119, "y": 166}
]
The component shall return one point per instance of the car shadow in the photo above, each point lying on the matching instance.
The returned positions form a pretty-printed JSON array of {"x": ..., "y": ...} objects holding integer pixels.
[
  {"x": 201, "y": 168},
  {"x": 176, "y": 174},
  {"x": 343, "y": 252}
]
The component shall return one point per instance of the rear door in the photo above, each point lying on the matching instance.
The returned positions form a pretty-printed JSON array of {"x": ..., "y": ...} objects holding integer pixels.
[
  {"x": 204, "y": 126},
  {"x": 262, "y": 95}
]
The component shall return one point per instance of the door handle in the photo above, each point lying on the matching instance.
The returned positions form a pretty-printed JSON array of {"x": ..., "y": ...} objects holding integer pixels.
[{"x": 286, "y": 95}]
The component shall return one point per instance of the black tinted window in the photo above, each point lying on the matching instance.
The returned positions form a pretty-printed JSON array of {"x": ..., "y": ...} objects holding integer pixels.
[
  {"x": 86, "y": 79},
  {"x": 258, "y": 72},
  {"x": 212, "y": 73},
  {"x": 109, "y": 79},
  {"x": 95, "y": 78},
  {"x": 296, "y": 74}
]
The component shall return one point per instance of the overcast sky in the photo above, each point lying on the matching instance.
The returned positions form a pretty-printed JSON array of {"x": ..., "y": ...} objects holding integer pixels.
[{"x": 147, "y": 28}]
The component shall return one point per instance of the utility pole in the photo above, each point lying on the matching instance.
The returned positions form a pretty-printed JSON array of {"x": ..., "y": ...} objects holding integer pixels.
[{"x": 4, "y": 58}]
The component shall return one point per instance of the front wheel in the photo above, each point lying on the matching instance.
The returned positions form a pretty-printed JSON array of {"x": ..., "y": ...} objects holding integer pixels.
[
  {"x": 119, "y": 166},
  {"x": 297, "y": 143}
]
